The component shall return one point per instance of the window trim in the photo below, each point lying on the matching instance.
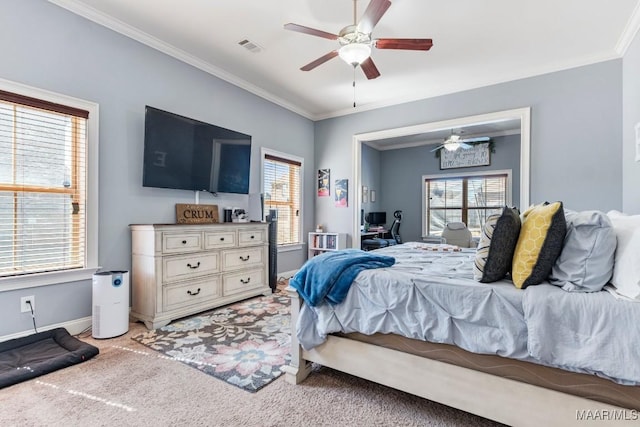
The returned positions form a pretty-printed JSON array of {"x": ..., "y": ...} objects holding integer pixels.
[
  {"x": 91, "y": 232},
  {"x": 285, "y": 156},
  {"x": 509, "y": 195}
]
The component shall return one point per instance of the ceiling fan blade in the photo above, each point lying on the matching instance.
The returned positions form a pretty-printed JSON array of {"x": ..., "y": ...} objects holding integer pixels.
[
  {"x": 407, "y": 44},
  {"x": 464, "y": 146},
  {"x": 372, "y": 15},
  {"x": 311, "y": 31},
  {"x": 476, "y": 139},
  {"x": 369, "y": 68},
  {"x": 437, "y": 148},
  {"x": 313, "y": 64}
]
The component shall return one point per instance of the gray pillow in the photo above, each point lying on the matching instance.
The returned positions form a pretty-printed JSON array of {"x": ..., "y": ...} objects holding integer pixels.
[{"x": 586, "y": 261}]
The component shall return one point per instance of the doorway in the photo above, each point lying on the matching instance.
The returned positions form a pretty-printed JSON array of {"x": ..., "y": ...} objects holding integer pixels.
[{"x": 429, "y": 133}]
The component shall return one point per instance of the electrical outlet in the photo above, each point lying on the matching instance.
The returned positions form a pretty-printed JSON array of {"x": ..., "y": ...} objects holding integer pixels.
[{"x": 26, "y": 308}]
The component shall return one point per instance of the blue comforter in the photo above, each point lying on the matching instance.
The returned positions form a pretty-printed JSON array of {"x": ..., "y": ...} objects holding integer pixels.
[{"x": 327, "y": 277}]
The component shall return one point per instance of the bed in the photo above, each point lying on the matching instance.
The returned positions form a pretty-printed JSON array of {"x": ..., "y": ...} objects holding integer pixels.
[{"x": 498, "y": 341}]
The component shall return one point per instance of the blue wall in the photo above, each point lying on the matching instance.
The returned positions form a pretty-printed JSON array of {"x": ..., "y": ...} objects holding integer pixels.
[
  {"x": 48, "y": 47},
  {"x": 576, "y": 123}
]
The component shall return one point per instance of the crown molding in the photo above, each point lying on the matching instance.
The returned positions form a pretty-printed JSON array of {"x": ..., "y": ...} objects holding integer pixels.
[
  {"x": 153, "y": 42},
  {"x": 76, "y": 7},
  {"x": 630, "y": 31}
]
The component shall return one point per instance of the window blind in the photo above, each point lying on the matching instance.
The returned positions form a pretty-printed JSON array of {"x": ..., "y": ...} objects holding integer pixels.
[
  {"x": 42, "y": 185},
  {"x": 468, "y": 199},
  {"x": 282, "y": 191}
]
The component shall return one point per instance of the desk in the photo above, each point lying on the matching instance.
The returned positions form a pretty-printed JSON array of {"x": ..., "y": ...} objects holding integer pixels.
[
  {"x": 373, "y": 233},
  {"x": 368, "y": 234}
]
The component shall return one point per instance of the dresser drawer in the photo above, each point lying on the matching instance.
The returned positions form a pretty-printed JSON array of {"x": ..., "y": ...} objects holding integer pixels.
[
  {"x": 181, "y": 267},
  {"x": 236, "y": 283},
  {"x": 252, "y": 237},
  {"x": 191, "y": 293},
  {"x": 181, "y": 242},
  {"x": 219, "y": 239},
  {"x": 243, "y": 258}
]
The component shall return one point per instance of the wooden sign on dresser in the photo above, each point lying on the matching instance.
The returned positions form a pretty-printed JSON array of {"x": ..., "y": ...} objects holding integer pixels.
[{"x": 182, "y": 269}]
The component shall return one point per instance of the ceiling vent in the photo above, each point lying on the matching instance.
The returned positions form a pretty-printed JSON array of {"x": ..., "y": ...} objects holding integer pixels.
[{"x": 250, "y": 46}]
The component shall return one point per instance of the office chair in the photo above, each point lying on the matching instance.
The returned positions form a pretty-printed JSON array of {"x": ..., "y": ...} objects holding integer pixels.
[
  {"x": 457, "y": 233},
  {"x": 396, "y": 239}
]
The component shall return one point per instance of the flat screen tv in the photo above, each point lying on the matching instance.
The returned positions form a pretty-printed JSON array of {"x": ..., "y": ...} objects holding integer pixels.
[{"x": 188, "y": 154}]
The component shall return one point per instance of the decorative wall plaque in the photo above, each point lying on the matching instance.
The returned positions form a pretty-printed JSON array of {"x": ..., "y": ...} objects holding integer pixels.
[
  {"x": 196, "y": 214},
  {"x": 477, "y": 155}
]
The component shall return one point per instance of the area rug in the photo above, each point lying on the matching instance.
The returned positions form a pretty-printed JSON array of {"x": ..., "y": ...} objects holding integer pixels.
[{"x": 245, "y": 344}]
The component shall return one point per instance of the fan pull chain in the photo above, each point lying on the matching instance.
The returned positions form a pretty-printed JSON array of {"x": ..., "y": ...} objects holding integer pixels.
[{"x": 354, "y": 86}]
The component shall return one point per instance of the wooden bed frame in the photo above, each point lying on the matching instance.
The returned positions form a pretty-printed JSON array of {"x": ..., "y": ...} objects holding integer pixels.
[{"x": 504, "y": 400}]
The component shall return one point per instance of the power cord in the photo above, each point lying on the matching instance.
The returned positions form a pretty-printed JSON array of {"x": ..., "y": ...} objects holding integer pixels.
[{"x": 33, "y": 317}]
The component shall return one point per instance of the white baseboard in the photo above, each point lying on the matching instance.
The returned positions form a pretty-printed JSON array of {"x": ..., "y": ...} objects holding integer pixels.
[{"x": 74, "y": 327}]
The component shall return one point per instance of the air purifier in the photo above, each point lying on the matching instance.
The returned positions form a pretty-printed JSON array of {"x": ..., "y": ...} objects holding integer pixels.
[{"x": 110, "y": 316}]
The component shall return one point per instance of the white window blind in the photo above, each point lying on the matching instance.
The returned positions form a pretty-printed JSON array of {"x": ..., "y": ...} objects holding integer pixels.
[
  {"x": 468, "y": 199},
  {"x": 282, "y": 180},
  {"x": 43, "y": 188}
]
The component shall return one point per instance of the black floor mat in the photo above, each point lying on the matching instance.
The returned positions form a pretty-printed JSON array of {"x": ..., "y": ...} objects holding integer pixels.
[{"x": 38, "y": 354}]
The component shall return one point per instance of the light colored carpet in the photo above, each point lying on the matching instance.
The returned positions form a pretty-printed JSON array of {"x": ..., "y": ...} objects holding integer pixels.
[{"x": 128, "y": 384}]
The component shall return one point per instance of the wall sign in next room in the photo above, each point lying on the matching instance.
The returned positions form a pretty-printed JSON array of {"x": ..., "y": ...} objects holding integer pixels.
[{"x": 476, "y": 155}]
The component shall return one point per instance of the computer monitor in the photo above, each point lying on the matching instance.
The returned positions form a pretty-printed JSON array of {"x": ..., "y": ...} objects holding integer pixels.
[{"x": 377, "y": 218}]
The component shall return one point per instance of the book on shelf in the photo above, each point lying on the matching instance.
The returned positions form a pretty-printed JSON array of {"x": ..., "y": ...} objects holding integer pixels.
[{"x": 331, "y": 242}]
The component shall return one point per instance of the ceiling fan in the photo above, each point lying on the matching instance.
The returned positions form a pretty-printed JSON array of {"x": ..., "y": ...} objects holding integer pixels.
[
  {"x": 456, "y": 141},
  {"x": 356, "y": 40}
]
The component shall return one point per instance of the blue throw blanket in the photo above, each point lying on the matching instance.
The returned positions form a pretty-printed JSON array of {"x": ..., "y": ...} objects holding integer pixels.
[{"x": 328, "y": 276}]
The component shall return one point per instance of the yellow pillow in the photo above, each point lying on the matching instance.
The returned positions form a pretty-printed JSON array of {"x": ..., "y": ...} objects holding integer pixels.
[{"x": 539, "y": 244}]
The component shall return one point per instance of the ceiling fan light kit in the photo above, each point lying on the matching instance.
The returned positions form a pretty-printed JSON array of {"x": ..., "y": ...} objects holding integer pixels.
[
  {"x": 354, "y": 53},
  {"x": 452, "y": 146}
]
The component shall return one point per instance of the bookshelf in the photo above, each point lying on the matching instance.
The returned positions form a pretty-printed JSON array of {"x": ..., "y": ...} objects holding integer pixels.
[{"x": 323, "y": 242}]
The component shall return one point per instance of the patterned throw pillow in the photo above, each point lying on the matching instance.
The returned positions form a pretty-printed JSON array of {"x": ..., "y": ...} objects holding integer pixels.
[
  {"x": 497, "y": 245},
  {"x": 539, "y": 244}
]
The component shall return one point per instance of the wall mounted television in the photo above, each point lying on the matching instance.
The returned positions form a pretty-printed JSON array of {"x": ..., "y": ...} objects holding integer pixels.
[{"x": 187, "y": 154}]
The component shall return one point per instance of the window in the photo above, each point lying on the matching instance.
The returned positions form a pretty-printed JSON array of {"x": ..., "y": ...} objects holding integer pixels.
[
  {"x": 470, "y": 199},
  {"x": 45, "y": 202},
  {"x": 281, "y": 187}
]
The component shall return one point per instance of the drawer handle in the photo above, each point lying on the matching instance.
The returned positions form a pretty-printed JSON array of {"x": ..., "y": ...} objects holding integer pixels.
[
  {"x": 245, "y": 281},
  {"x": 184, "y": 242},
  {"x": 193, "y": 267},
  {"x": 243, "y": 258},
  {"x": 194, "y": 293},
  {"x": 221, "y": 239},
  {"x": 253, "y": 237}
]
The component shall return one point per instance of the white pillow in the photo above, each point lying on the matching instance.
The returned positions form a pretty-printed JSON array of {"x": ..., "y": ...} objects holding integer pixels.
[{"x": 626, "y": 267}]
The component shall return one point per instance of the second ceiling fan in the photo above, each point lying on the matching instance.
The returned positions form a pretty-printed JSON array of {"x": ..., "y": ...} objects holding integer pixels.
[
  {"x": 457, "y": 141},
  {"x": 356, "y": 40}
]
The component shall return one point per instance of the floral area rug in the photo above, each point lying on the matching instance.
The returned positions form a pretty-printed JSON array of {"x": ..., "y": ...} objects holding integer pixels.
[{"x": 245, "y": 344}]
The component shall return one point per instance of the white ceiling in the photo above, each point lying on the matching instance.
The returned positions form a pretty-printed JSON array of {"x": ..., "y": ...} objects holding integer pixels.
[{"x": 476, "y": 43}]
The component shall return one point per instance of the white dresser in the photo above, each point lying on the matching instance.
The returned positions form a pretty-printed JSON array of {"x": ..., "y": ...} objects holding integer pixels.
[{"x": 181, "y": 269}]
